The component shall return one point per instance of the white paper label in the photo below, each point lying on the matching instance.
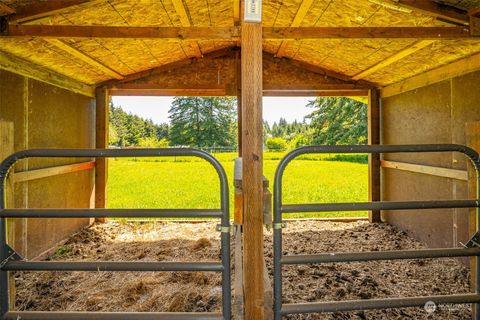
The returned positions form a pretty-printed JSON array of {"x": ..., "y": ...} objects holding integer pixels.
[{"x": 253, "y": 11}]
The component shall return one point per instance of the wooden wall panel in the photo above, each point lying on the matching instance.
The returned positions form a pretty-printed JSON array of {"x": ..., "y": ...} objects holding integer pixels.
[
  {"x": 48, "y": 117},
  {"x": 433, "y": 114}
]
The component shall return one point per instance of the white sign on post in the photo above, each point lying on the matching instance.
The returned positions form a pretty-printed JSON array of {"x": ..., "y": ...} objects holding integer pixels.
[{"x": 253, "y": 11}]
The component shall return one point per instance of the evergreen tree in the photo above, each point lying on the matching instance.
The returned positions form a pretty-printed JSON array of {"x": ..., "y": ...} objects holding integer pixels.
[
  {"x": 203, "y": 121},
  {"x": 338, "y": 121},
  {"x": 131, "y": 130}
]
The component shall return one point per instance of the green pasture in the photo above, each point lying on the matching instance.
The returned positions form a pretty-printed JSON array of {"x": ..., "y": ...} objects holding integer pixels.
[{"x": 184, "y": 182}]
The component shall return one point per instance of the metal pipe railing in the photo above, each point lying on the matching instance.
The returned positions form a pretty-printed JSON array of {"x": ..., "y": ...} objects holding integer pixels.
[
  {"x": 333, "y": 306},
  {"x": 8, "y": 264}
]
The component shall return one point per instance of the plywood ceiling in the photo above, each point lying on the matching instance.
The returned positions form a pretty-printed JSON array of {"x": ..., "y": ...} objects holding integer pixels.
[{"x": 350, "y": 57}]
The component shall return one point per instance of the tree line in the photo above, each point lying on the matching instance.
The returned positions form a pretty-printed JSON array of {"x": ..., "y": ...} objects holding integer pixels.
[{"x": 208, "y": 122}]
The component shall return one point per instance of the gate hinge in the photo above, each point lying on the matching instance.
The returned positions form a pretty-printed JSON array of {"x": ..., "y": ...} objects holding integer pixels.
[
  {"x": 12, "y": 255},
  {"x": 474, "y": 241}
]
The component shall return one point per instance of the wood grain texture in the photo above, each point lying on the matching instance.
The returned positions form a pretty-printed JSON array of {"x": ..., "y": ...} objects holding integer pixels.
[
  {"x": 297, "y": 20},
  {"x": 185, "y": 21},
  {"x": 85, "y": 58},
  {"x": 394, "y": 58},
  {"x": 374, "y": 188},
  {"x": 452, "y": 70},
  {"x": 252, "y": 132},
  {"x": 41, "y": 9},
  {"x": 431, "y": 33},
  {"x": 437, "y": 10},
  {"x": 233, "y": 33},
  {"x": 430, "y": 170},
  {"x": 27, "y": 69}
]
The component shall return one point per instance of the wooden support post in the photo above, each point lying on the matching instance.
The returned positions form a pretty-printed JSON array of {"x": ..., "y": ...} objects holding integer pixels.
[
  {"x": 252, "y": 154},
  {"x": 6, "y": 149},
  {"x": 472, "y": 138},
  {"x": 373, "y": 159},
  {"x": 238, "y": 87},
  {"x": 101, "y": 142}
]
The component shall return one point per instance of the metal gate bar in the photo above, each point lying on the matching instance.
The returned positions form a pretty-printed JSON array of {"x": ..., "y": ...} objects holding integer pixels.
[
  {"x": 10, "y": 261},
  {"x": 279, "y": 259}
]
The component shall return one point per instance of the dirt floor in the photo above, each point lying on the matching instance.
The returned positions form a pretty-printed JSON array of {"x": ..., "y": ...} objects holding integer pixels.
[{"x": 168, "y": 241}]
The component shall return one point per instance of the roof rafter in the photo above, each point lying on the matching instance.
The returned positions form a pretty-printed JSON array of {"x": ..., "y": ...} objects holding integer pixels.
[
  {"x": 84, "y": 57},
  {"x": 394, "y": 58},
  {"x": 437, "y": 10},
  {"x": 5, "y": 10},
  {"x": 28, "y": 69},
  {"x": 297, "y": 20},
  {"x": 450, "y": 70},
  {"x": 230, "y": 33},
  {"x": 185, "y": 21},
  {"x": 322, "y": 71},
  {"x": 41, "y": 9}
]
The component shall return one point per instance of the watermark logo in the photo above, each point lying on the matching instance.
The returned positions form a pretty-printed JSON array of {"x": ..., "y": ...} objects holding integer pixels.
[{"x": 430, "y": 307}]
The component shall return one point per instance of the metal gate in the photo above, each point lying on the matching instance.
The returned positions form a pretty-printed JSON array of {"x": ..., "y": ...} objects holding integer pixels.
[
  {"x": 10, "y": 261},
  {"x": 279, "y": 260}
]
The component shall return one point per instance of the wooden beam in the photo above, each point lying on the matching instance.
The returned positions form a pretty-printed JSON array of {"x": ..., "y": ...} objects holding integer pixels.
[
  {"x": 315, "y": 87},
  {"x": 28, "y": 69},
  {"x": 452, "y": 70},
  {"x": 233, "y": 33},
  {"x": 40, "y": 9},
  {"x": 394, "y": 58},
  {"x": 5, "y": 10},
  {"x": 101, "y": 142},
  {"x": 84, "y": 57},
  {"x": 152, "y": 89},
  {"x": 252, "y": 155},
  {"x": 430, "y": 33},
  {"x": 52, "y": 171},
  {"x": 437, "y": 10},
  {"x": 429, "y": 170},
  {"x": 374, "y": 188},
  {"x": 238, "y": 88},
  {"x": 121, "y": 32},
  {"x": 185, "y": 21},
  {"x": 297, "y": 20},
  {"x": 314, "y": 93}
]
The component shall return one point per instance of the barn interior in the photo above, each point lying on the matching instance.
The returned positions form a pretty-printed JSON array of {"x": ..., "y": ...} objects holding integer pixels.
[{"x": 416, "y": 64}]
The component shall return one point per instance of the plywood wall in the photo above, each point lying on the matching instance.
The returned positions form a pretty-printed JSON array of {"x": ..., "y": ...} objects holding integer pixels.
[
  {"x": 48, "y": 117},
  {"x": 432, "y": 114}
]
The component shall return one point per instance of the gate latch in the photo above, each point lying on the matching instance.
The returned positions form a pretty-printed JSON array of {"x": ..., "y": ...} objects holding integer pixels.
[
  {"x": 222, "y": 229},
  {"x": 12, "y": 256},
  {"x": 281, "y": 225}
]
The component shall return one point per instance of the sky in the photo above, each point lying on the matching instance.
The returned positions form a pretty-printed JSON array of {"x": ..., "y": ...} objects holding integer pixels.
[{"x": 156, "y": 108}]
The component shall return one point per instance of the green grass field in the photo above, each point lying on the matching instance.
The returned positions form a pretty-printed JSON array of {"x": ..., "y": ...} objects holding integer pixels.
[{"x": 192, "y": 183}]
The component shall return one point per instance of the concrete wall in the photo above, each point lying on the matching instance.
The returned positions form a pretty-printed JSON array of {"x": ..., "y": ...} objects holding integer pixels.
[
  {"x": 433, "y": 114},
  {"x": 45, "y": 116}
]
